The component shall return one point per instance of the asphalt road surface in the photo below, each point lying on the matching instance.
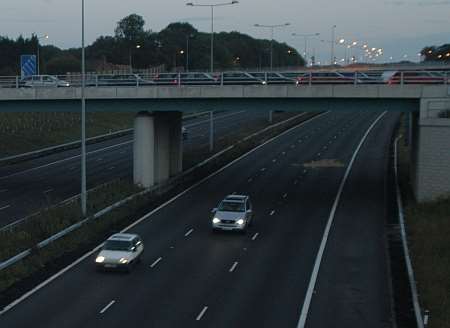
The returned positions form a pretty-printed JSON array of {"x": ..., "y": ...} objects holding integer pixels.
[
  {"x": 191, "y": 277},
  {"x": 29, "y": 186}
]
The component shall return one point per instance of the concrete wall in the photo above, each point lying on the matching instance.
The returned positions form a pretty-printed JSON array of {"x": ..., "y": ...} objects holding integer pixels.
[{"x": 431, "y": 151}]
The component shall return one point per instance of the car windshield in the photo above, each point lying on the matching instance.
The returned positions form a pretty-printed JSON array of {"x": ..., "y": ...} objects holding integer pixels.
[
  {"x": 117, "y": 245},
  {"x": 231, "y": 207}
]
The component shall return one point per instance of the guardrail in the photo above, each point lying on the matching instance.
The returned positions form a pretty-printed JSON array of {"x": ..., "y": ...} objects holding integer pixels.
[
  {"x": 158, "y": 188},
  {"x": 300, "y": 78}
]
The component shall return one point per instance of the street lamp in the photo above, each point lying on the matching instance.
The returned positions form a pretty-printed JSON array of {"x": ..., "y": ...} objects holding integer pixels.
[
  {"x": 37, "y": 55},
  {"x": 138, "y": 46},
  {"x": 212, "y": 6},
  {"x": 188, "y": 37},
  {"x": 306, "y": 36},
  {"x": 272, "y": 28},
  {"x": 83, "y": 195}
]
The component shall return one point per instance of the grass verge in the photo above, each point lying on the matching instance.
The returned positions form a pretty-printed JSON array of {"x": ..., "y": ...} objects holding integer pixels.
[{"x": 428, "y": 229}]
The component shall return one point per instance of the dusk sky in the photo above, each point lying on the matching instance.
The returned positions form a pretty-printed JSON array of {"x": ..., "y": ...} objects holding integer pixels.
[{"x": 399, "y": 26}]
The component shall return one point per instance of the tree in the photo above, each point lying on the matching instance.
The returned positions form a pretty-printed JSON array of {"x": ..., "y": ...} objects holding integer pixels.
[{"x": 130, "y": 28}]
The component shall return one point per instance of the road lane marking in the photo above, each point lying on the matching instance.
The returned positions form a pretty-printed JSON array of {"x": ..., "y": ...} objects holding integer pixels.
[
  {"x": 72, "y": 168},
  {"x": 156, "y": 262},
  {"x": 250, "y": 179},
  {"x": 201, "y": 314},
  {"x": 4, "y": 207},
  {"x": 315, "y": 272},
  {"x": 188, "y": 233},
  {"x": 233, "y": 267},
  {"x": 284, "y": 153},
  {"x": 107, "y": 307},
  {"x": 48, "y": 190},
  {"x": 263, "y": 169},
  {"x": 285, "y": 195},
  {"x": 255, "y": 236},
  {"x": 318, "y": 154},
  {"x": 274, "y": 160},
  {"x": 272, "y": 213},
  {"x": 149, "y": 214},
  {"x": 99, "y": 159},
  {"x": 112, "y": 168}
]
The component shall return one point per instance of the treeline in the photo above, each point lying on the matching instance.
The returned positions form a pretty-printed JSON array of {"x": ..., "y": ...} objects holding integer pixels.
[
  {"x": 132, "y": 44},
  {"x": 437, "y": 53}
]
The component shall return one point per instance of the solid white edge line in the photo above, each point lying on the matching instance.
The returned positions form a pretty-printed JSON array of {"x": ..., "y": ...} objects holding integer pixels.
[
  {"x": 409, "y": 267},
  {"x": 156, "y": 262},
  {"x": 188, "y": 233},
  {"x": 146, "y": 216},
  {"x": 315, "y": 272},
  {"x": 201, "y": 314},
  {"x": 233, "y": 266},
  {"x": 4, "y": 207},
  {"x": 107, "y": 307}
]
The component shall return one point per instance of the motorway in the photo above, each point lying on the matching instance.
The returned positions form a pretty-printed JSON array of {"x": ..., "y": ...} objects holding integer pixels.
[
  {"x": 191, "y": 277},
  {"x": 29, "y": 186}
]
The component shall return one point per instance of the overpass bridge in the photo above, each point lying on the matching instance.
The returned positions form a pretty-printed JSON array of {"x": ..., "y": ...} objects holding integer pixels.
[{"x": 158, "y": 108}]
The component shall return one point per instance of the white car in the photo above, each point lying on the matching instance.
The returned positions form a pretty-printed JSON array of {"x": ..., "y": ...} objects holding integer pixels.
[
  {"x": 233, "y": 213},
  {"x": 43, "y": 81},
  {"x": 120, "y": 251}
]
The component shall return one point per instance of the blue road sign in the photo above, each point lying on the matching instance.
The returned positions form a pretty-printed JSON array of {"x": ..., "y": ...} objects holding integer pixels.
[{"x": 27, "y": 65}]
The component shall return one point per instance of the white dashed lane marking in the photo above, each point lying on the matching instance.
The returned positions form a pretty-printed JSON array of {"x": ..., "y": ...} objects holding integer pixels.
[
  {"x": 107, "y": 307},
  {"x": 233, "y": 267},
  {"x": 156, "y": 262},
  {"x": 201, "y": 314}
]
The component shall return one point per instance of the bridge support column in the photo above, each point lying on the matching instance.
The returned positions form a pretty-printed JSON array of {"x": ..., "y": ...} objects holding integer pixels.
[
  {"x": 430, "y": 150},
  {"x": 157, "y": 147},
  {"x": 176, "y": 143},
  {"x": 144, "y": 150}
]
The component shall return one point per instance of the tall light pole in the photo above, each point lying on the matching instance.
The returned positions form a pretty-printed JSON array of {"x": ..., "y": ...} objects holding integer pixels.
[
  {"x": 306, "y": 36},
  {"x": 188, "y": 37},
  {"x": 272, "y": 28},
  {"x": 333, "y": 41},
  {"x": 83, "y": 195},
  {"x": 138, "y": 46},
  {"x": 212, "y": 6},
  {"x": 38, "y": 51}
]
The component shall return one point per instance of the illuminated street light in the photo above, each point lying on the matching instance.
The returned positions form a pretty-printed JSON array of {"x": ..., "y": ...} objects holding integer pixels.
[{"x": 37, "y": 55}]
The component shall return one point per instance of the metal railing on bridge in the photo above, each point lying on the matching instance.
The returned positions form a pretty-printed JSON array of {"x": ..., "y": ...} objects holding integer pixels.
[{"x": 299, "y": 78}]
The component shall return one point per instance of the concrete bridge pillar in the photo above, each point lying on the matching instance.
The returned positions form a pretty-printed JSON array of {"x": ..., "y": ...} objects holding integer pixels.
[
  {"x": 430, "y": 149},
  {"x": 157, "y": 147}
]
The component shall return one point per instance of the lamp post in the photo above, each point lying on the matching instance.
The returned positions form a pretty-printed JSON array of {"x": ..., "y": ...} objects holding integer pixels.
[
  {"x": 83, "y": 194},
  {"x": 138, "y": 46},
  {"x": 212, "y": 6},
  {"x": 333, "y": 42},
  {"x": 188, "y": 37},
  {"x": 272, "y": 28},
  {"x": 306, "y": 36},
  {"x": 38, "y": 51}
]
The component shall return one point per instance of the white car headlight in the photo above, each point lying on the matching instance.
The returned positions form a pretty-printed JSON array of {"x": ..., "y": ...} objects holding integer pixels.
[
  {"x": 100, "y": 259},
  {"x": 123, "y": 261},
  {"x": 240, "y": 222},
  {"x": 216, "y": 220}
]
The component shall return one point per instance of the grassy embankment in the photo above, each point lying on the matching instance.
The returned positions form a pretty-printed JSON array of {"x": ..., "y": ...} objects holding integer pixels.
[
  {"x": 428, "y": 229},
  {"x": 24, "y": 132}
]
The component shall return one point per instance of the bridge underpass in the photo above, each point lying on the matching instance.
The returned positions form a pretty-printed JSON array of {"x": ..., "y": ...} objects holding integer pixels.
[{"x": 157, "y": 143}]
